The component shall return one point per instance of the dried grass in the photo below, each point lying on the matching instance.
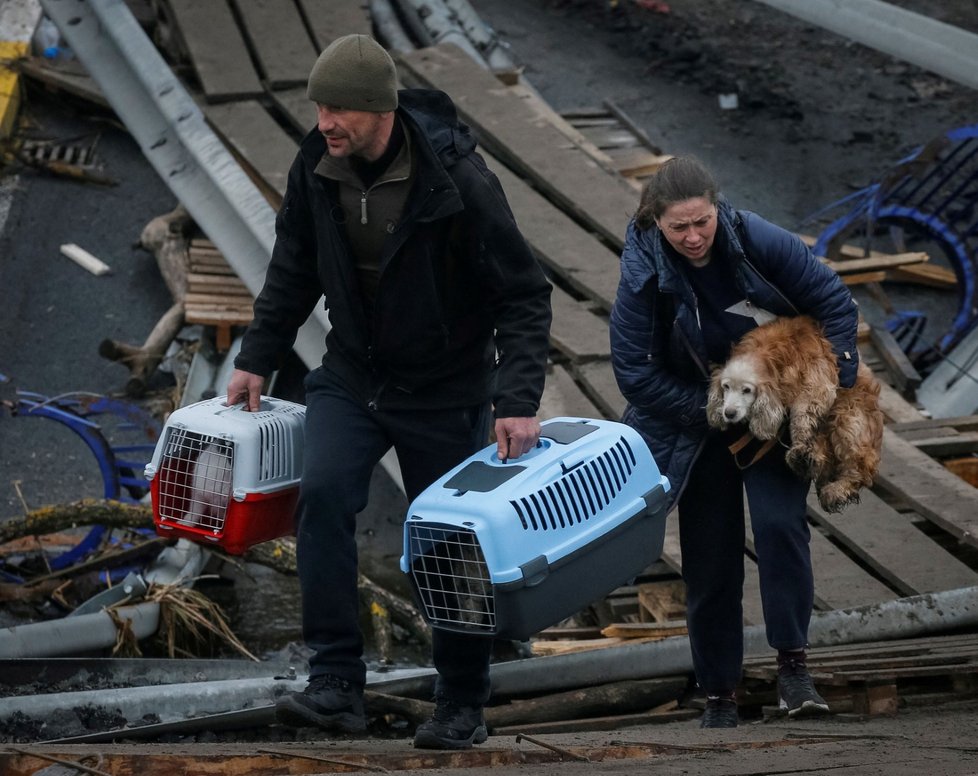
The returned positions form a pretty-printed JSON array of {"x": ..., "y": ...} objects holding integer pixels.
[{"x": 190, "y": 623}]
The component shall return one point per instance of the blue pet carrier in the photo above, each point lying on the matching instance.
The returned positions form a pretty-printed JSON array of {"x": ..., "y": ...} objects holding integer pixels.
[{"x": 507, "y": 549}]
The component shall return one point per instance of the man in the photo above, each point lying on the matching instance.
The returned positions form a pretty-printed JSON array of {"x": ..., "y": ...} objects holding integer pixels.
[{"x": 438, "y": 308}]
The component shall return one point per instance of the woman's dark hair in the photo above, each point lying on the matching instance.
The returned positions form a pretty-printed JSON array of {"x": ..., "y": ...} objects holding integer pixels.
[{"x": 680, "y": 178}]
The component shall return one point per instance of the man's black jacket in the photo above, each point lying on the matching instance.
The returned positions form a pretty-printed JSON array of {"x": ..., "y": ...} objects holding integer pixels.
[{"x": 459, "y": 286}]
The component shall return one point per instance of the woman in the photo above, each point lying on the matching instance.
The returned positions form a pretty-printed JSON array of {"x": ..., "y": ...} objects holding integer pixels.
[{"x": 695, "y": 276}]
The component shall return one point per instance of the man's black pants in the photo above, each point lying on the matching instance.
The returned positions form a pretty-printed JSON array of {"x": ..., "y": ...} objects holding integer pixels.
[{"x": 344, "y": 441}]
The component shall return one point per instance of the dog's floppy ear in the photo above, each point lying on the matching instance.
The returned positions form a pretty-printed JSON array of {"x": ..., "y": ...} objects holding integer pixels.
[
  {"x": 767, "y": 414},
  {"x": 714, "y": 400}
]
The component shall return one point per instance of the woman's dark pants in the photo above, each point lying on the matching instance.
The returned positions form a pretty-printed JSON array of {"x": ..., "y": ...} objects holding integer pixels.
[{"x": 711, "y": 525}]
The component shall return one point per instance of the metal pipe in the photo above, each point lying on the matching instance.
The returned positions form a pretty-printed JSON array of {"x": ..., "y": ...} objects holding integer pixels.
[
  {"x": 902, "y": 618},
  {"x": 98, "y": 630},
  {"x": 942, "y": 48},
  {"x": 392, "y": 34},
  {"x": 413, "y": 23},
  {"x": 77, "y": 635},
  {"x": 441, "y": 26},
  {"x": 481, "y": 35}
]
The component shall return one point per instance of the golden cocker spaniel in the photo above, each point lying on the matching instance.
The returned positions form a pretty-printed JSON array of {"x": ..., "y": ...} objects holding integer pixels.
[{"x": 786, "y": 370}]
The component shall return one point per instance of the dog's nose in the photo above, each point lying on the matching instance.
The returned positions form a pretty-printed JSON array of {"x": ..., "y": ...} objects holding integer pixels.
[{"x": 730, "y": 413}]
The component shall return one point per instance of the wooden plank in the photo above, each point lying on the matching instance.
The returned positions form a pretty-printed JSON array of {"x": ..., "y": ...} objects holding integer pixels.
[
  {"x": 537, "y": 110},
  {"x": 578, "y": 257},
  {"x": 882, "y": 261},
  {"x": 663, "y": 601},
  {"x": 636, "y": 160},
  {"x": 906, "y": 378},
  {"x": 895, "y": 407},
  {"x": 256, "y": 136},
  {"x": 645, "y": 630},
  {"x": 55, "y": 78},
  {"x": 284, "y": 50},
  {"x": 878, "y": 650},
  {"x": 217, "y": 50},
  {"x": 329, "y": 20},
  {"x": 219, "y": 301},
  {"x": 213, "y": 317},
  {"x": 933, "y": 275},
  {"x": 609, "y": 136},
  {"x": 946, "y": 446},
  {"x": 930, "y": 489},
  {"x": 576, "y": 331},
  {"x": 212, "y": 282},
  {"x": 296, "y": 107},
  {"x": 962, "y": 423},
  {"x": 563, "y": 398},
  {"x": 839, "y": 581},
  {"x": 630, "y": 123},
  {"x": 891, "y": 546},
  {"x": 534, "y": 148},
  {"x": 860, "y": 278},
  {"x": 599, "y": 384}
]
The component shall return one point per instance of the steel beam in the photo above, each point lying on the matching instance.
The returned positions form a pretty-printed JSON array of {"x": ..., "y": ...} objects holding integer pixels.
[{"x": 944, "y": 49}]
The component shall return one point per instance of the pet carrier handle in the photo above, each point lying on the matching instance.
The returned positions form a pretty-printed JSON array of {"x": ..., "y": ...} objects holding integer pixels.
[
  {"x": 541, "y": 447},
  {"x": 263, "y": 406}
]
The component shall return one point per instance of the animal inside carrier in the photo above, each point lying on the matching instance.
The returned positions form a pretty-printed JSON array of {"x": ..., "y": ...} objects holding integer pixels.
[
  {"x": 225, "y": 475},
  {"x": 507, "y": 549}
]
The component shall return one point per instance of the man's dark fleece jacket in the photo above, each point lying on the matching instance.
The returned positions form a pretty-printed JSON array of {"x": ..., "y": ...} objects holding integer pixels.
[{"x": 462, "y": 309}]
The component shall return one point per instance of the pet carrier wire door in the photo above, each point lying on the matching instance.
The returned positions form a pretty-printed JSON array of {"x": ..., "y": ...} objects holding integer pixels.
[
  {"x": 224, "y": 475},
  {"x": 507, "y": 549}
]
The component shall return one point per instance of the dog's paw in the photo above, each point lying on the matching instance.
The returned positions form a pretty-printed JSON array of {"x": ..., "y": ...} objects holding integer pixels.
[
  {"x": 834, "y": 497},
  {"x": 799, "y": 460}
]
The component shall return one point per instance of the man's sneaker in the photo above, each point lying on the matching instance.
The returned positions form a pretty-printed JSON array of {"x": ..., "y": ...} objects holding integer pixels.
[
  {"x": 452, "y": 726},
  {"x": 796, "y": 691},
  {"x": 327, "y": 702},
  {"x": 721, "y": 712}
]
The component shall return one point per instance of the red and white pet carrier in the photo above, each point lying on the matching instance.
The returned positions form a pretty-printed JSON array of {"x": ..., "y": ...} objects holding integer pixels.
[{"x": 224, "y": 475}]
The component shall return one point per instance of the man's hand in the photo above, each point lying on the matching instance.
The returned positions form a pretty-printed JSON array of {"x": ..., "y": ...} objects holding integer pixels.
[
  {"x": 515, "y": 436},
  {"x": 245, "y": 387}
]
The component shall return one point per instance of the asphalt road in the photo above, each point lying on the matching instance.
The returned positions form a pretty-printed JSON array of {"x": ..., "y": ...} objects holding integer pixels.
[{"x": 54, "y": 313}]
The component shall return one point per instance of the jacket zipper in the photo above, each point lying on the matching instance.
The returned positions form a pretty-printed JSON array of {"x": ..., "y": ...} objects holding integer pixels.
[{"x": 769, "y": 284}]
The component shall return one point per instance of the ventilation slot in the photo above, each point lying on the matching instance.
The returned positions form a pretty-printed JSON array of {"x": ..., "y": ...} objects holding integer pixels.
[
  {"x": 580, "y": 494},
  {"x": 274, "y": 457}
]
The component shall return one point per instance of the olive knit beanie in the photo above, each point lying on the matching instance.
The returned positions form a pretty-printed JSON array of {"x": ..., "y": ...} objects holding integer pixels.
[{"x": 354, "y": 72}]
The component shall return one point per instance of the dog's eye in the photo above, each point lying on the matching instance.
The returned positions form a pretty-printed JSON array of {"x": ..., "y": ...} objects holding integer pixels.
[{"x": 747, "y": 390}]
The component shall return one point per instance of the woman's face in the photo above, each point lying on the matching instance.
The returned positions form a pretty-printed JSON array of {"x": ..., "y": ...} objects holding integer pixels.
[{"x": 690, "y": 226}]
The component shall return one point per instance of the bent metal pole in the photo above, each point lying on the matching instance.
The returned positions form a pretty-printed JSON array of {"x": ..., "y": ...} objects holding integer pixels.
[{"x": 903, "y": 618}]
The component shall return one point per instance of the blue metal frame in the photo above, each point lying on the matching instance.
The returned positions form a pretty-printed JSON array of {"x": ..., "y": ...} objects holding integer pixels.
[
  {"x": 120, "y": 466},
  {"x": 932, "y": 191}
]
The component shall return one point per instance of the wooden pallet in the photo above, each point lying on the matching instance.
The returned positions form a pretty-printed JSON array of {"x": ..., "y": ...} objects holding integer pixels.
[
  {"x": 215, "y": 295},
  {"x": 610, "y": 129},
  {"x": 878, "y": 678}
]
